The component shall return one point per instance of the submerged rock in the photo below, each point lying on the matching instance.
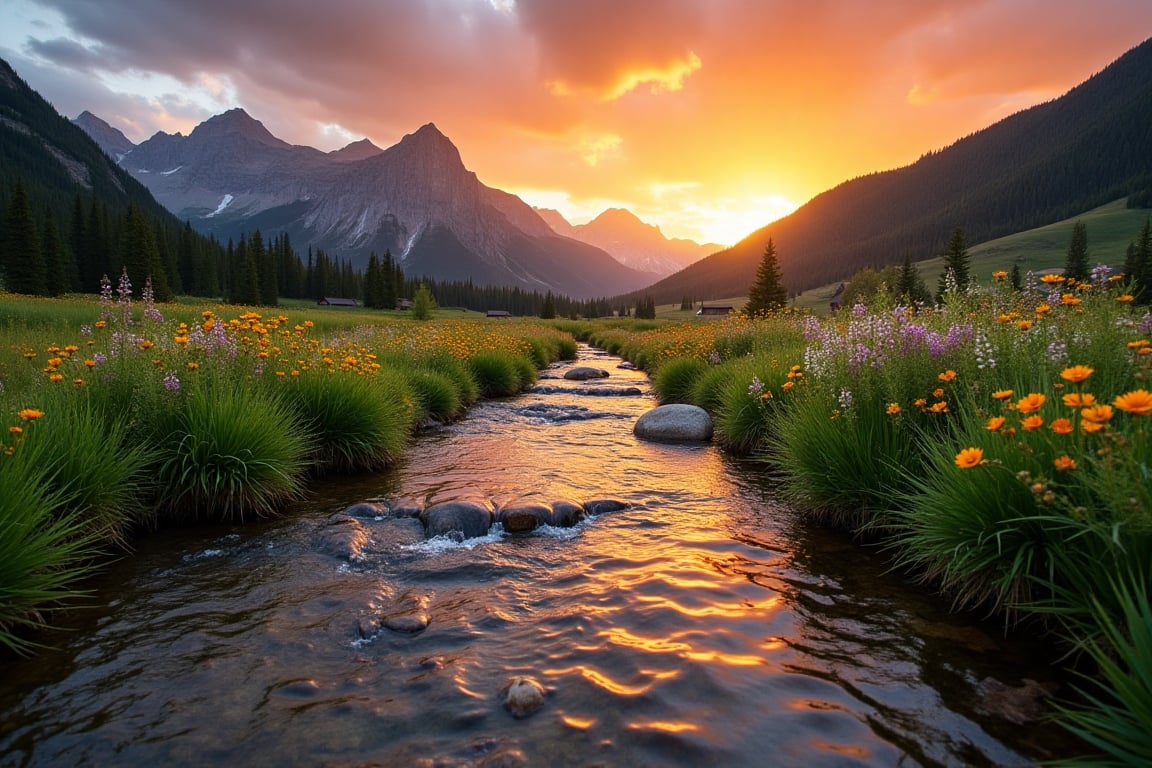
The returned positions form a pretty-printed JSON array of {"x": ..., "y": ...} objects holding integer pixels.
[
  {"x": 522, "y": 518},
  {"x": 545, "y": 389},
  {"x": 566, "y": 514},
  {"x": 366, "y": 509},
  {"x": 601, "y": 506},
  {"x": 1020, "y": 705},
  {"x": 408, "y": 614},
  {"x": 343, "y": 537},
  {"x": 523, "y": 696},
  {"x": 467, "y": 518},
  {"x": 677, "y": 422},
  {"x": 584, "y": 373},
  {"x": 627, "y": 366}
]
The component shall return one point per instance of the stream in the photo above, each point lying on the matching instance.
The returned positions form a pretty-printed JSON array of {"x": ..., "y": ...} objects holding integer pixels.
[{"x": 705, "y": 624}]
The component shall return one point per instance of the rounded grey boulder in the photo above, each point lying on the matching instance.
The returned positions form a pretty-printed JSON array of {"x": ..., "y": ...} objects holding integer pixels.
[
  {"x": 523, "y": 517},
  {"x": 677, "y": 422},
  {"x": 584, "y": 373},
  {"x": 464, "y": 517},
  {"x": 523, "y": 696}
]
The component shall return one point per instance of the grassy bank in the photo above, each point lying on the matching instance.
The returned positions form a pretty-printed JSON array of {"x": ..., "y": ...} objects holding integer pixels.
[
  {"x": 118, "y": 416},
  {"x": 999, "y": 448}
]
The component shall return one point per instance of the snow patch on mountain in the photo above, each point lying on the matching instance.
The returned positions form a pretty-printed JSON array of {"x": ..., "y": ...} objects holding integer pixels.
[{"x": 223, "y": 204}]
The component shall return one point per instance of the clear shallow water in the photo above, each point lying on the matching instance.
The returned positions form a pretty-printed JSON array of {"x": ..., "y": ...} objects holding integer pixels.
[{"x": 705, "y": 625}]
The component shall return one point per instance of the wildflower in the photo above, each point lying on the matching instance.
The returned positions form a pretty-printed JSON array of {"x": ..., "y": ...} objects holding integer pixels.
[
  {"x": 1052, "y": 279},
  {"x": 948, "y": 375},
  {"x": 845, "y": 399},
  {"x": 787, "y": 385},
  {"x": 1069, "y": 300},
  {"x": 99, "y": 358},
  {"x": 969, "y": 457},
  {"x": 892, "y": 409},
  {"x": 30, "y": 414},
  {"x": 1062, "y": 426},
  {"x": 1000, "y": 275},
  {"x": 1100, "y": 414},
  {"x": 146, "y": 344},
  {"x": 78, "y": 382},
  {"x": 1079, "y": 399},
  {"x": 1138, "y": 344},
  {"x": 15, "y": 430},
  {"x": 754, "y": 389},
  {"x": 193, "y": 365},
  {"x": 767, "y": 395},
  {"x": 1002, "y": 394},
  {"x": 1089, "y": 427},
  {"x": 1032, "y": 423},
  {"x": 940, "y": 407},
  {"x": 995, "y": 423},
  {"x": 1125, "y": 298},
  {"x": 56, "y": 378},
  {"x": 1137, "y": 402},
  {"x": 171, "y": 383},
  {"x": 1076, "y": 373},
  {"x": 920, "y": 402},
  {"x": 1023, "y": 324},
  {"x": 1064, "y": 463},
  {"x": 938, "y": 392},
  {"x": 1030, "y": 403}
]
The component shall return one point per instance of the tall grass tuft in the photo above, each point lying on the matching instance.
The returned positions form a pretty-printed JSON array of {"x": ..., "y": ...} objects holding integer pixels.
[
  {"x": 437, "y": 394},
  {"x": 526, "y": 371},
  {"x": 46, "y": 548},
  {"x": 237, "y": 451},
  {"x": 496, "y": 372},
  {"x": 1117, "y": 717},
  {"x": 674, "y": 380},
  {"x": 458, "y": 371}
]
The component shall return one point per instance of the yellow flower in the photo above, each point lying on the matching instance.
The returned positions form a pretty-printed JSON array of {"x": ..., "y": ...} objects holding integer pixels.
[
  {"x": 940, "y": 407},
  {"x": 145, "y": 344},
  {"x": 892, "y": 409},
  {"x": 100, "y": 323},
  {"x": 56, "y": 378},
  {"x": 1000, "y": 275},
  {"x": 1077, "y": 373},
  {"x": 947, "y": 375},
  {"x": 1052, "y": 279},
  {"x": 180, "y": 340},
  {"x": 1043, "y": 309},
  {"x": 1100, "y": 414},
  {"x": 1091, "y": 426},
  {"x": 1064, "y": 463},
  {"x": 1062, "y": 426},
  {"x": 995, "y": 423},
  {"x": 30, "y": 414},
  {"x": 1031, "y": 403},
  {"x": 1137, "y": 402},
  {"x": 785, "y": 386},
  {"x": 90, "y": 363},
  {"x": 1079, "y": 399},
  {"x": 1002, "y": 394},
  {"x": 193, "y": 365},
  {"x": 15, "y": 430},
  {"x": 1023, "y": 324},
  {"x": 1032, "y": 423},
  {"x": 1125, "y": 298},
  {"x": 78, "y": 382},
  {"x": 969, "y": 457},
  {"x": 1069, "y": 300},
  {"x": 920, "y": 402},
  {"x": 1138, "y": 344},
  {"x": 767, "y": 395},
  {"x": 938, "y": 392}
]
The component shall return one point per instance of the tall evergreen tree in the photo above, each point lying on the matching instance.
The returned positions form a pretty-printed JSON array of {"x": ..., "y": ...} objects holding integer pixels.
[
  {"x": 956, "y": 263},
  {"x": 1138, "y": 264},
  {"x": 1015, "y": 279},
  {"x": 767, "y": 292},
  {"x": 374, "y": 283},
  {"x": 265, "y": 260},
  {"x": 548, "y": 309},
  {"x": 910, "y": 285},
  {"x": 1076, "y": 265},
  {"x": 56, "y": 277},
  {"x": 22, "y": 265}
]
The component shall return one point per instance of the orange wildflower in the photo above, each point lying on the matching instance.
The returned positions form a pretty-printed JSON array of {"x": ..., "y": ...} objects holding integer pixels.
[
  {"x": 1002, "y": 394},
  {"x": 1076, "y": 373},
  {"x": 892, "y": 409},
  {"x": 30, "y": 414},
  {"x": 1031, "y": 402},
  {"x": 1032, "y": 423},
  {"x": 947, "y": 375},
  {"x": 1138, "y": 402},
  {"x": 1079, "y": 399},
  {"x": 969, "y": 457},
  {"x": 1100, "y": 414},
  {"x": 1064, "y": 463},
  {"x": 995, "y": 423},
  {"x": 1062, "y": 426}
]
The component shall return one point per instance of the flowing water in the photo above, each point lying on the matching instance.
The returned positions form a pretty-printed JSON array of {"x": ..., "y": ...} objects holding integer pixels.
[{"x": 706, "y": 624}]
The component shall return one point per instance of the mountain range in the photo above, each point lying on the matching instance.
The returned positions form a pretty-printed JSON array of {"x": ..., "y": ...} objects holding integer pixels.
[
  {"x": 632, "y": 242},
  {"x": 415, "y": 199},
  {"x": 1089, "y": 147}
]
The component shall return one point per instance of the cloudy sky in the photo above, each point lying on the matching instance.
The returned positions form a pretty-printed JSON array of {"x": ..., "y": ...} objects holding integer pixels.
[{"x": 709, "y": 118}]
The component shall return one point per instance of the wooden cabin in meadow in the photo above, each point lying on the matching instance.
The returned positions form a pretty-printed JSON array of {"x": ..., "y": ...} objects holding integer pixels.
[
  {"x": 403, "y": 305},
  {"x": 333, "y": 301},
  {"x": 499, "y": 313},
  {"x": 718, "y": 310}
]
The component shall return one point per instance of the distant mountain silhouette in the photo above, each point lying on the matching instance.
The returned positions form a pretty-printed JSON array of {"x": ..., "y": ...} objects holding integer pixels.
[
  {"x": 114, "y": 143},
  {"x": 1041, "y": 165},
  {"x": 631, "y": 241},
  {"x": 416, "y": 199}
]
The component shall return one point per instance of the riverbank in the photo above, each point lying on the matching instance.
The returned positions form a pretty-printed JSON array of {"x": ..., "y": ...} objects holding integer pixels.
[{"x": 999, "y": 447}]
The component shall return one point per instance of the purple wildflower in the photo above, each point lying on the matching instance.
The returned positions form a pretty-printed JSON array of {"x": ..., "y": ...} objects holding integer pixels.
[
  {"x": 756, "y": 388},
  {"x": 171, "y": 383}
]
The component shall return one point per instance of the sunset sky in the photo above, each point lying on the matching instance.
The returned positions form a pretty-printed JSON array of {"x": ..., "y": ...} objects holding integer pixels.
[{"x": 709, "y": 118}]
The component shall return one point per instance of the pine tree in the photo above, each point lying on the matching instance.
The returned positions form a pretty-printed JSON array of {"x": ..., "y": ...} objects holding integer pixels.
[
  {"x": 956, "y": 263},
  {"x": 56, "y": 280},
  {"x": 1076, "y": 265},
  {"x": 21, "y": 259},
  {"x": 548, "y": 309},
  {"x": 910, "y": 286},
  {"x": 423, "y": 303},
  {"x": 1138, "y": 264},
  {"x": 374, "y": 283},
  {"x": 1015, "y": 279},
  {"x": 767, "y": 292}
]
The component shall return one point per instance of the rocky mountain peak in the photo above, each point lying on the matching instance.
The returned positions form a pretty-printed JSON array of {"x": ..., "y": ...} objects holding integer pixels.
[
  {"x": 114, "y": 143},
  {"x": 357, "y": 150},
  {"x": 235, "y": 122}
]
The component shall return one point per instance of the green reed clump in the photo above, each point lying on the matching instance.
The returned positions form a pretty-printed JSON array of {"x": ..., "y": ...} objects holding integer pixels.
[
  {"x": 437, "y": 394},
  {"x": 526, "y": 372},
  {"x": 458, "y": 371},
  {"x": 46, "y": 543},
  {"x": 497, "y": 373},
  {"x": 352, "y": 422},
  {"x": 237, "y": 451},
  {"x": 1115, "y": 716},
  {"x": 673, "y": 380}
]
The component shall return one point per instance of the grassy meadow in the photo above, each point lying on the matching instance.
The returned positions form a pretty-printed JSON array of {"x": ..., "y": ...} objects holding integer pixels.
[
  {"x": 998, "y": 446},
  {"x": 119, "y": 416}
]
